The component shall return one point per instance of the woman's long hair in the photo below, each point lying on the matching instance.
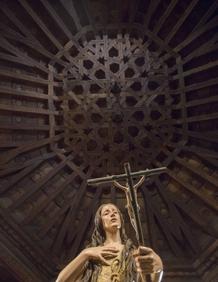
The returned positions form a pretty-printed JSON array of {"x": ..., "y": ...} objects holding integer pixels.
[{"x": 98, "y": 238}]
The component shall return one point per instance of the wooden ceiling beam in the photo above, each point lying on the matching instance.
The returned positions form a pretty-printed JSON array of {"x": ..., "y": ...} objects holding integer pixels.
[
  {"x": 25, "y": 93},
  {"x": 197, "y": 102},
  {"x": 8, "y": 169},
  {"x": 35, "y": 187},
  {"x": 20, "y": 57},
  {"x": 196, "y": 118},
  {"x": 40, "y": 23},
  {"x": 178, "y": 221},
  {"x": 209, "y": 201},
  {"x": 47, "y": 201},
  {"x": 164, "y": 16},
  {"x": 25, "y": 77},
  {"x": 22, "y": 109},
  {"x": 197, "y": 33},
  {"x": 203, "y": 49},
  {"x": 151, "y": 9},
  {"x": 28, "y": 147},
  {"x": 28, "y": 127},
  {"x": 206, "y": 16},
  {"x": 202, "y": 155},
  {"x": 166, "y": 228},
  {"x": 19, "y": 176},
  {"x": 181, "y": 20},
  {"x": 84, "y": 222},
  {"x": 69, "y": 220},
  {"x": 199, "y": 172},
  {"x": 195, "y": 86},
  {"x": 190, "y": 211},
  {"x": 196, "y": 70},
  {"x": 49, "y": 8},
  {"x": 29, "y": 246},
  {"x": 202, "y": 151},
  {"x": 205, "y": 136},
  {"x": 69, "y": 7}
]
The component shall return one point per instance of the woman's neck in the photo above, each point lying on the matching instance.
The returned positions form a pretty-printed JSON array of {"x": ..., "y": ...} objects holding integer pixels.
[{"x": 113, "y": 238}]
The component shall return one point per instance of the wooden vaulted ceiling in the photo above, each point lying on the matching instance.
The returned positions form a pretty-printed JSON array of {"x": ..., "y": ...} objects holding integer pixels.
[{"x": 86, "y": 86}]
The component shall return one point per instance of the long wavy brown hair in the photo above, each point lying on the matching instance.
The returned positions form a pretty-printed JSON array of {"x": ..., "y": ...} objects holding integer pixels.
[{"x": 93, "y": 269}]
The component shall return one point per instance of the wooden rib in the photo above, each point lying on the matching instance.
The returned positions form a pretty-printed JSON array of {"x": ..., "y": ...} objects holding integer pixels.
[
  {"x": 69, "y": 7},
  {"x": 188, "y": 210},
  {"x": 57, "y": 18},
  {"x": 203, "y": 49},
  {"x": 183, "y": 96},
  {"x": 45, "y": 203},
  {"x": 49, "y": 223},
  {"x": 197, "y": 102},
  {"x": 25, "y": 77},
  {"x": 30, "y": 40},
  {"x": 69, "y": 219},
  {"x": 40, "y": 23},
  {"x": 165, "y": 16},
  {"x": 8, "y": 169},
  {"x": 207, "y": 15},
  {"x": 28, "y": 147},
  {"x": 13, "y": 59},
  {"x": 21, "y": 57},
  {"x": 22, "y": 109},
  {"x": 27, "y": 127},
  {"x": 209, "y": 201},
  {"x": 165, "y": 226},
  {"x": 178, "y": 221},
  {"x": 51, "y": 104},
  {"x": 28, "y": 241},
  {"x": 19, "y": 176},
  {"x": 197, "y": 171},
  {"x": 84, "y": 223},
  {"x": 194, "y": 35},
  {"x": 202, "y": 155},
  {"x": 196, "y": 86},
  {"x": 181, "y": 20},
  {"x": 75, "y": 204},
  {"x": 25, "y": 93},
  {"x": 196, "y": 70},
  {"x": 205, "y": 136},
  {"x": 36, "y": 186},
  {"x": 202, "y": 151},
  {"x": 152, "y": 6},
  {"x": 197, "y": 118}
]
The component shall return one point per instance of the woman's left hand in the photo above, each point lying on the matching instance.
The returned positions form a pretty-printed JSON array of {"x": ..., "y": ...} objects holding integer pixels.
[{"x": 147, "y": 260}]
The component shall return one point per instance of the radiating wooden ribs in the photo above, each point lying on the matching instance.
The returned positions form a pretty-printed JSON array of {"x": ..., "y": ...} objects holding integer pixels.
[
  {"x": 165, "y": 226},
  {"x": 8, "y": 169},
  {"x": 209, "y": 201},
  {"x": 84, "y": 224},
  {"x": 72, "y": 12},
  {"x": 165, "y": 16},
  {"x": 45, "y": 203},
  {"x": 181, "y": 20},
  {"x": 178, "y": 222},
  {"x": 36, "y": 186},
  {"x": 197, "y": 171},
  {"x": 40, "y": 23},
  {"x": 27, "y": 147}
]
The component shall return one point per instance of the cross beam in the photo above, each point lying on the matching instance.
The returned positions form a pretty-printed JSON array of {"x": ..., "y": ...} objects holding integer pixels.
[{"x": 130, "y": 193}]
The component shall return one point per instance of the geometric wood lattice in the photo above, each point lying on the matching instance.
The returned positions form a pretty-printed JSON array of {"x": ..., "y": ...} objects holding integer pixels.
[{"x": 86, "y": 86}]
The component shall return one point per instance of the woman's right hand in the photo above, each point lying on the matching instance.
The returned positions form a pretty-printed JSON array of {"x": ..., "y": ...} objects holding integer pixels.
[{"x": 101, "y": 253}]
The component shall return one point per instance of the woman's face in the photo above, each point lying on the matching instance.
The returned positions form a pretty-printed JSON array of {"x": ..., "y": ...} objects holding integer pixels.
[{"x": 110, "y": 217}]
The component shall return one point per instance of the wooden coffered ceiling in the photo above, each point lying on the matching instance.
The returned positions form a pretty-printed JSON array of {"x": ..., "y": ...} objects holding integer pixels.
[{"x": 86, "y": 86}]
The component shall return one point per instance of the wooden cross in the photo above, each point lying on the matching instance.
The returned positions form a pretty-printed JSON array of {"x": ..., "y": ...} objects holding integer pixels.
[{"x": 131, "y": 193}]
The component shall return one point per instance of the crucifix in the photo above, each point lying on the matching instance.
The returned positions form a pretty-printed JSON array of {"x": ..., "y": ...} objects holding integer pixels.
[{"x": 131, "y": 193}]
